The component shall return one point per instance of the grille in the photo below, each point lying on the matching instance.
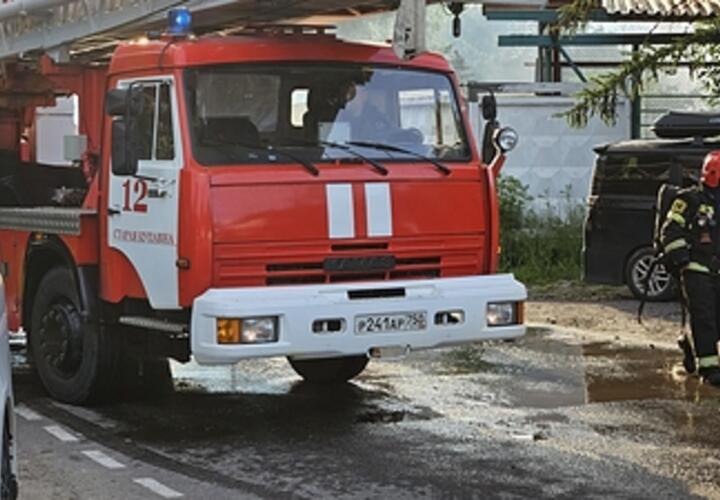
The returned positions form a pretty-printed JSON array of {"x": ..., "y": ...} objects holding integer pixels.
[
  {"x": 313, "y": 273},
  {"x": 303, "y": 263}
]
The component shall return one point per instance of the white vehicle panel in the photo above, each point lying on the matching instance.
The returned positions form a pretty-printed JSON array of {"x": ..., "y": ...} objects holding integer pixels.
[{"x": 297, "y": 307}]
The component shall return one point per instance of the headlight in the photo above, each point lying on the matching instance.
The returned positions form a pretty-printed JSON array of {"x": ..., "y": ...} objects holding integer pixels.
[
  {"x": 247, "y": 330},
  {"x": 506, "y": 139},
  {"x": 504, "y": 313}
]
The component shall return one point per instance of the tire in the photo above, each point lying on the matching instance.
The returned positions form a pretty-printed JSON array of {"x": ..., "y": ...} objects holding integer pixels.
[
  {"x": 76, "y": 360},
  {"x": 662, "y": 285},
  {"x": 329, "y": 370},
  {"x": 8, "y": 482}
]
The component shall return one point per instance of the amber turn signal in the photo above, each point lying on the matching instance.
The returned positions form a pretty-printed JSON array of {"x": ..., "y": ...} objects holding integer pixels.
[{"x": 228, "y": 331}]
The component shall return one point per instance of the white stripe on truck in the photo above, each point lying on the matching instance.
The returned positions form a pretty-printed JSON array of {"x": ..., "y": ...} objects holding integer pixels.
[
  {"x": 340, "y": 211},
  {"x": 379, "y": 209}
]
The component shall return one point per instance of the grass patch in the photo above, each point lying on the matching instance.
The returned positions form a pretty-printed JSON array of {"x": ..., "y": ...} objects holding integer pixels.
[{"x": 539, "y": 246}]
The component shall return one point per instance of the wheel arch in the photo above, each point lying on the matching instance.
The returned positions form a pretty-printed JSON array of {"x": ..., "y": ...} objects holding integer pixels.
[{"x": 46, "y": 253}]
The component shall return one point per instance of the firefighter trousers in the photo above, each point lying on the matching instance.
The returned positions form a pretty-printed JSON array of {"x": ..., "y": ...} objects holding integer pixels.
[{"x": 702, "y": 294}]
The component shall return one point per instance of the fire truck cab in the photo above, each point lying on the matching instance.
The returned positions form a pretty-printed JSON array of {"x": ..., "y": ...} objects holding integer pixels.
[{"x": 278, "y": 192}]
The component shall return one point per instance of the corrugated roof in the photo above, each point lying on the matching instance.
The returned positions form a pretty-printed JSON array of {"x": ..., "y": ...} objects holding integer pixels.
[{"x": 690, "y": 9}]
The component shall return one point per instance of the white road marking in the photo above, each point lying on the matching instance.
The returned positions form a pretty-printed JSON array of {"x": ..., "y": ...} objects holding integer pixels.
[
  {"x": 61, "y": 433},
  {"x": 87, "y": 414},
  {"x": 340, "y": 211},
  {"x": 104, "y": 460},
  {"x": 378, "y": 207},
  {"x": 158, "y": 488},
  {"x": 27, "y": 413}
]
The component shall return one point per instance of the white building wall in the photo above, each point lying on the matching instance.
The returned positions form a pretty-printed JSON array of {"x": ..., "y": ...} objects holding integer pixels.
[{"x": 551, "y": 156}]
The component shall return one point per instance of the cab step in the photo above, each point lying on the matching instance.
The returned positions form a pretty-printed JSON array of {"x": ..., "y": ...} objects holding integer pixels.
[{"x": 179, "y": 330}]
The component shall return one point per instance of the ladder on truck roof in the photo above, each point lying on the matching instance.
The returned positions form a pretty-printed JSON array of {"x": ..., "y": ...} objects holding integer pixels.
[
  {"x": 63, "y": 28},
  {"x": 28, "y": 26}
]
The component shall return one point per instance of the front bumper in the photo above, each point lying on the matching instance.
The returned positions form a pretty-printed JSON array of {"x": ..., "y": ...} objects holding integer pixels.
[{"x": 297, "y": 307}]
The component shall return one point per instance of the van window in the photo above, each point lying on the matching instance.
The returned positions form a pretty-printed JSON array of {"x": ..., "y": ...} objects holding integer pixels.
[{"x": 618, "y": 174}]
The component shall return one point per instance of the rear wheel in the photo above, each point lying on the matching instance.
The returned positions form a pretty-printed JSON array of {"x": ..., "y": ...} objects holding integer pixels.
[
  {"x": 661, "y": 285},
  {"x": 75, "y": 359},
  {"x": 329, "y": 370}
]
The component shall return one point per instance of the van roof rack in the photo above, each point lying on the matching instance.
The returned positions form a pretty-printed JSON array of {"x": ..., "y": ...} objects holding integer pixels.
[{"x": 680, "y": 125}]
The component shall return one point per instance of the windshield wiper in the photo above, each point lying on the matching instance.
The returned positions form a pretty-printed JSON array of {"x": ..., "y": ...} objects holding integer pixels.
[
  {"x": 395, "y": 149},
  {"x": 310, "y": 167},
  {"x": 305, "y": 163},
  {"x": 336, "y": 145},
  {"x": 375, "y": 164}
]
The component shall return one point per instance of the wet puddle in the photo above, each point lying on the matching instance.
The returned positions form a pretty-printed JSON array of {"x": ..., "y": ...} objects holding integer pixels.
[
  {"x": 621, "y": 373},
  {"x": 547, "y": 370}
]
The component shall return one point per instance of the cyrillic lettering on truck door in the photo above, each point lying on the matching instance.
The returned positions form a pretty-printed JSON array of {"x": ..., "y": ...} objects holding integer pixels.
[{"x": 143, "y": 208}]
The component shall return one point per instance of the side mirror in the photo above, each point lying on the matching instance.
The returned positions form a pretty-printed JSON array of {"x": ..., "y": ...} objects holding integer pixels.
[
  {"x": 124, "y": 150},
  {"x": 489, "y": 149},
  {"x": 116, "y": 101},
  {"x": 489, "y": 107},
  {"x": 126, "y": 105}
]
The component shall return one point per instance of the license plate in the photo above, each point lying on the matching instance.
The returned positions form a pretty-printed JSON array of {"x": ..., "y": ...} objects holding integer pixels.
[{"x": 394, "y": 322}]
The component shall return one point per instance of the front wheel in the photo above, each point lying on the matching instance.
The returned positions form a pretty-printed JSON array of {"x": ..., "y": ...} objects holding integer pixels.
[
  {"x": 76, "y": 360},
  {"x": 329, "y": 370},
  {"x": 661, "y": 285}
]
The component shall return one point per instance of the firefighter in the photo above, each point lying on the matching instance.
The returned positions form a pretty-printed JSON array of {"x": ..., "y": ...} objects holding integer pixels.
[{"x": 690, "y": 239}]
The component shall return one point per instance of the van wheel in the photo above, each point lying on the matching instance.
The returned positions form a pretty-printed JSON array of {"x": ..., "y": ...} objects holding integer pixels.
[
  {"x": 75, "y": 359},
  {"x": 661, "y": 285},
  {"x": 329, "y": 370}
]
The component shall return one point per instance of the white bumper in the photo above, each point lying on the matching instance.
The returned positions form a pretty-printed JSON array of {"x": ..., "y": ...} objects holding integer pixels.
[{"x": 297, "y": 307}]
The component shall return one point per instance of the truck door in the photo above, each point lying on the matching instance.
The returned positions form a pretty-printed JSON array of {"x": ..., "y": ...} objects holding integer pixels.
[{"x": 143, "y": 209}]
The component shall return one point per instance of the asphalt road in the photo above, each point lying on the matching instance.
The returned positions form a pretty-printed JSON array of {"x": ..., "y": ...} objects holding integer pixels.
[{"x": 550, "y": 416}]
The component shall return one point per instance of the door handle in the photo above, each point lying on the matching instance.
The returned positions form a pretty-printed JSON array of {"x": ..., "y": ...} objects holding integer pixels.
[
  {"x": 159, "y": 187},
  {"x": 157, "y": 192},
  {"x": 157, "y": 181}
]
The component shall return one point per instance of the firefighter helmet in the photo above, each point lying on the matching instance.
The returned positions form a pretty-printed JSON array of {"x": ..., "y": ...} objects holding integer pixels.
[{"x": 711, "y": 170}]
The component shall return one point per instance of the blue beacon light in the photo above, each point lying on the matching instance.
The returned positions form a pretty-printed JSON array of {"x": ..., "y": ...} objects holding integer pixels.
[{"x": 179, "y": 21}]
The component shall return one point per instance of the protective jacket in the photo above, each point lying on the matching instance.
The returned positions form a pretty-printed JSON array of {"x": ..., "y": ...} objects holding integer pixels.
[{"x": 689, "y": 235}]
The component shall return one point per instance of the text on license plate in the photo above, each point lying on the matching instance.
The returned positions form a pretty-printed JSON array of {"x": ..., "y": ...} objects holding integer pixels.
[{"x": 393, "y": 322}]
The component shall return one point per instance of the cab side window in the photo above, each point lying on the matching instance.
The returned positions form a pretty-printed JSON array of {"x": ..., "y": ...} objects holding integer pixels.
[
  {"x": 165, "y": 144},
  {"x": 155, "y": 123}
]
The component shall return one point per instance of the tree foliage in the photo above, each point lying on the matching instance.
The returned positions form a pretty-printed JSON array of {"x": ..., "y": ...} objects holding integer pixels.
[{"x": 700, "y": 49}]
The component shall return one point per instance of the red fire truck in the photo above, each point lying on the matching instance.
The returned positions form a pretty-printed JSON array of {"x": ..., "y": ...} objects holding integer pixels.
[{"x": 274, "y": 192}]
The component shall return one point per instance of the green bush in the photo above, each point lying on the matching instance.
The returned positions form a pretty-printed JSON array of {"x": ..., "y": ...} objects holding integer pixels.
[{"x": 539, "y": 246}]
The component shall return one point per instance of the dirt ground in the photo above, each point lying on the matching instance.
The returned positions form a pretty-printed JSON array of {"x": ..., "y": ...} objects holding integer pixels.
[
  {"x": 584, "y": 408},
  {"x": 608, "y": 312}
]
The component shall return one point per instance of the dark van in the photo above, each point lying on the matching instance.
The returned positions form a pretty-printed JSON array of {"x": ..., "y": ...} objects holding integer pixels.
[{"x": 618, "y": 246}]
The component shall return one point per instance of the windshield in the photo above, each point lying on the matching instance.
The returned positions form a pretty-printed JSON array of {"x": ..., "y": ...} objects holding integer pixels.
[{"x": 237, "y": 111}]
